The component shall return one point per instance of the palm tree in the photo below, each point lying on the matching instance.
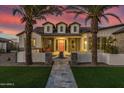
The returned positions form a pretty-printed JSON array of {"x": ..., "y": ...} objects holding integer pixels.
[
  {"x": 29, "y": 15},
  {"x": 94, "y": 14}
]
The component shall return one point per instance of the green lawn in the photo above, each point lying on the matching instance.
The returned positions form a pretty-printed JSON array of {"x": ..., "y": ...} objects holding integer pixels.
[
  {"x": 24, "y": 77},
  {"x": 99, "y": 77}
]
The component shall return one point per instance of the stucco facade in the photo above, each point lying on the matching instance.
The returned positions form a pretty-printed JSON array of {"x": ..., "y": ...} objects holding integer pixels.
[
  {"x": 68, "y": 38},
  {"x": 35, "y": 37}
]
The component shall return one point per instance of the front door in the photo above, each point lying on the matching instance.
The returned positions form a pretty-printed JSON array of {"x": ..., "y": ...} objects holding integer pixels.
[{"x": 61, "y": 45}]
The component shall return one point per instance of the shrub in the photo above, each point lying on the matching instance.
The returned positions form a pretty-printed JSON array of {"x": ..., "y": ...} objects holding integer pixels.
[{"x": 111, "y": 49}]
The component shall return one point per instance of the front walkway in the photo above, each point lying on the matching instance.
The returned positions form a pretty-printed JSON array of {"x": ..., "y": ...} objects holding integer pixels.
[{"x": 61, "y": 75}]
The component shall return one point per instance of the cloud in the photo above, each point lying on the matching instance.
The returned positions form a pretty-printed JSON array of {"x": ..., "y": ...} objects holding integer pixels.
[
  {"x": 11, "y": 24},
  {"x": 9, "y": 31},
  {"x": 6, "y": 18}
]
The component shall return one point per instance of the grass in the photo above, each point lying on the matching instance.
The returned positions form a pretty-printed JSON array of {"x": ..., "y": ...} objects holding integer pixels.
[
  {"x": 24, "y": 77},
  {"x": 99, "y": 77}
]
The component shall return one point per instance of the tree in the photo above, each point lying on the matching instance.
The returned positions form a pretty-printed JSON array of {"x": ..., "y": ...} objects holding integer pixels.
[
  {"x": 110, "y": 45},
  {"x": 29, "y": 15},
  {"x": 94, "y": 14}
]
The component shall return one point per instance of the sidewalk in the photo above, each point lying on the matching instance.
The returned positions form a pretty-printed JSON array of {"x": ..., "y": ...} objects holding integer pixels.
[{"x": 61, "y": 75}]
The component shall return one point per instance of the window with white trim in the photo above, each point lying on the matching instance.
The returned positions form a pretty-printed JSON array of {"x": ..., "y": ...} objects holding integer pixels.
[
  {"x": 75, "y": 28},
  {"x": 48, "y": 28},
  {"x": 61, "y": 28}
]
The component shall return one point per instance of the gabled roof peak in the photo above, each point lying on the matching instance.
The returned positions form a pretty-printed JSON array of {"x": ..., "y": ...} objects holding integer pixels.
[
  {"x": 48, "y": 23},
  {"x": 61, "y": 23}
]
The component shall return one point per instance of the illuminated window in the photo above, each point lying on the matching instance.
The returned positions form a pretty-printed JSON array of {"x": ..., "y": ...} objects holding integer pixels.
[
  {"x": 33, "y": 42},
  {"x": 90, "y": 42},
  {"x": 73, "y": 44},
  {"x": 85, "y": 43}
]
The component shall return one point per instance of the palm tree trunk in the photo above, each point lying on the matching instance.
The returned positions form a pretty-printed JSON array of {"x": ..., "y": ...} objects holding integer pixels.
[
  {"x": 94, "y": 48},
  {"x": 94, "y": 27},
  {"x": 28, "y": 49}
]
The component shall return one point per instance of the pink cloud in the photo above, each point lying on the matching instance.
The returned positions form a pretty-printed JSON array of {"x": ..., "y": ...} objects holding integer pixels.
[
  {"x": 9, "y": 31},
  {"x": 9, "y": 19},
  {"x": 113, "y": 21}
]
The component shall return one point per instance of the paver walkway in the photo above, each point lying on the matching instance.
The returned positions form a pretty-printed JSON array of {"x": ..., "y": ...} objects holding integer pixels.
[{"x": 61, "y": 75}]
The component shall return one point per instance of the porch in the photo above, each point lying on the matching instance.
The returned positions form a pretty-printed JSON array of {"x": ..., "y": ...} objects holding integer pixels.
[{"x": 66, "y": 44}]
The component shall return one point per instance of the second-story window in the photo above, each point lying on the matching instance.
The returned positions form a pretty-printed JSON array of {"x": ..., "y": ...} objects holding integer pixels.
[
  {"x": 61, "y": 28},
  {"x": 75, "y": 29},
  {"x": 48, "y": 28}
]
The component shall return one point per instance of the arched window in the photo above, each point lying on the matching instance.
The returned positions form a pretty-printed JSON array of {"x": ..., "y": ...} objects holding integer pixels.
[
  {"x": 75, "y": 29},
  {"x": 48, "y": 28},
  {"x": 61, "y": 28}
]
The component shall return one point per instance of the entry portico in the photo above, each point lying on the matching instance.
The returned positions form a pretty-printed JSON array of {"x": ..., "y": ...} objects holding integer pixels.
[{"x": 66, "y": 44}]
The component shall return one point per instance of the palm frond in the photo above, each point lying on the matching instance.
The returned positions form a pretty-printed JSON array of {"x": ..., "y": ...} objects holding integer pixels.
[
  {"x": 110, "y": 14},
  {"x": 23, "y": 19},
  {"x": 16, "y": 10},
  {"x": 105, "y": 17},
  {"x": 99, "y": 21}
]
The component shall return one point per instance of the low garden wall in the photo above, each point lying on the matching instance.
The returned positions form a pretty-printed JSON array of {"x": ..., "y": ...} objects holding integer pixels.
[
  {"x": 115, "y": 59},
  {"x": 36, "y": 57},
  {"x": 7, "y": 57},
  {"x": 110, "y": 59}
]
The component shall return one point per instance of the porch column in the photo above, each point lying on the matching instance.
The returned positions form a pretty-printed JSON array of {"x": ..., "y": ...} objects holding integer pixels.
[
  {"x": 67, "y": 45},
  {"x": 87, "y": 43},
  {"x": 81, "y": 44},
  {"x": 54, "y": 42},
  {"x": 42, "y": 43}
]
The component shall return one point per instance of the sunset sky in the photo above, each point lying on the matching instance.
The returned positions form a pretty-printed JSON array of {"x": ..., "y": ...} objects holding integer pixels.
[{"x": 10, "y": 24}]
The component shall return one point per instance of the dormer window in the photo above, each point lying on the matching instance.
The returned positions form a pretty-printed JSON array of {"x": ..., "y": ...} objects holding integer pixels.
[
  {"x": 48, "y": 28},
  {"x": 75, "y": 29},
  {"x": 61, "y": 28}
]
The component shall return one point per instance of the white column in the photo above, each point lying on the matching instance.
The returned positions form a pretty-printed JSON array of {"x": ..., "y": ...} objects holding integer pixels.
[
  {"x": 87, "y": 44},
  {"x": 54, "y": 44},
  {"x": 67, "y": 45},
  {"x": 81, "y": 44}
]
